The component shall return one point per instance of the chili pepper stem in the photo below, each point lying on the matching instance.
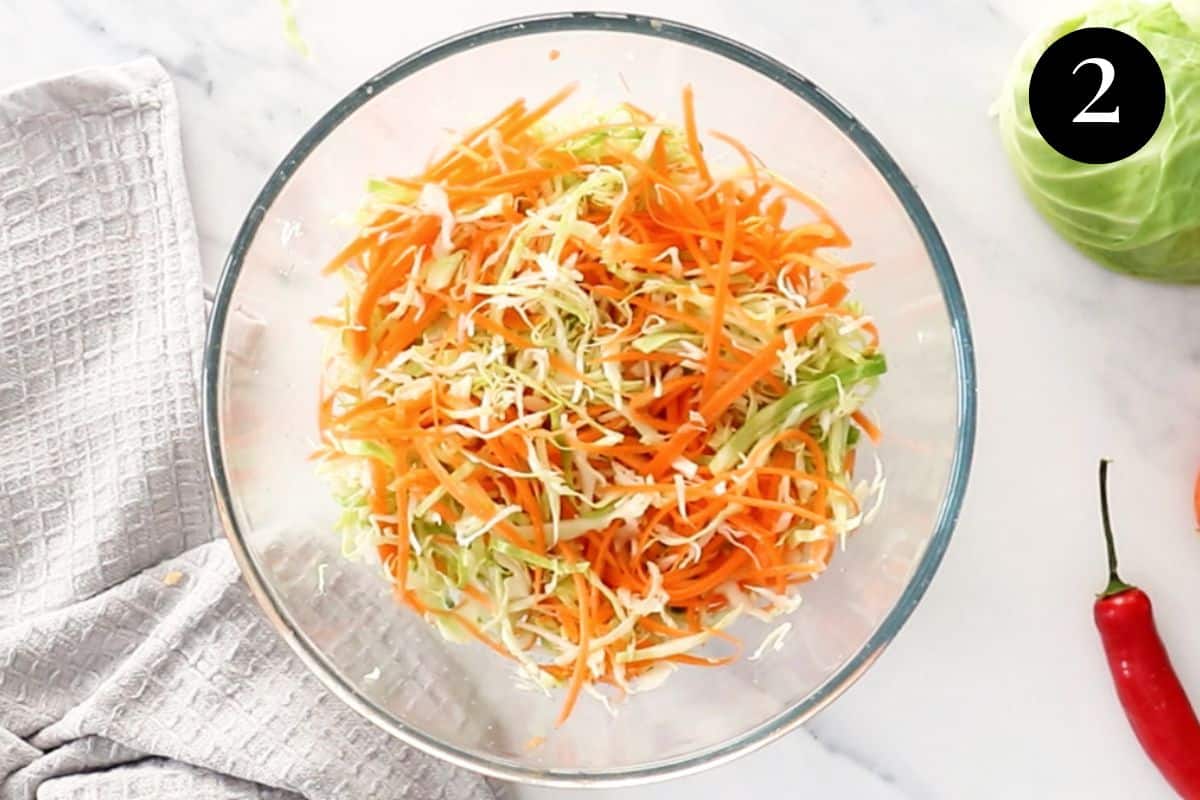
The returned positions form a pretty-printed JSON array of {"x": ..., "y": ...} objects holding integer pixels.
[{"x": 1115, "y": 584}]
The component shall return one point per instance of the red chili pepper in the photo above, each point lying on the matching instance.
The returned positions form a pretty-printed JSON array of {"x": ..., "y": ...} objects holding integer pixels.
[{"x": 1155, "y": 702}]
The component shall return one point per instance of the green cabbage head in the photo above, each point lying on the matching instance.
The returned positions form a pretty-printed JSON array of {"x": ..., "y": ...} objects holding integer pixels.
[{"x": 1140, "y": 215}]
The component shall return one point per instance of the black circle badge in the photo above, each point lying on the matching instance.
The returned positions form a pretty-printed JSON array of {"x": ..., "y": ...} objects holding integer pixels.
[{"x": 1097, "y": 95}]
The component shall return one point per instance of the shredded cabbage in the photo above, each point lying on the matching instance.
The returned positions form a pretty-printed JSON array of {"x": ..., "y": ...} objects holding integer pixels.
[{"x": 501, "y": 462}]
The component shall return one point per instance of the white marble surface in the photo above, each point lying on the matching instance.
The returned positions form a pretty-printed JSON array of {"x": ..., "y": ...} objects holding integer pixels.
[{"x": 996, "y": 687}]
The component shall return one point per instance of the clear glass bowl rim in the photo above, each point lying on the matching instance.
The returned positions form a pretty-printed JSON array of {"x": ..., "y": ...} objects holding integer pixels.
[{"x": 850, "y": 127}]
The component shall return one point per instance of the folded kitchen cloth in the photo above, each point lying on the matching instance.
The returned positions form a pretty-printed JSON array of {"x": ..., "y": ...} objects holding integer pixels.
[{"x": 133, "y": 661}]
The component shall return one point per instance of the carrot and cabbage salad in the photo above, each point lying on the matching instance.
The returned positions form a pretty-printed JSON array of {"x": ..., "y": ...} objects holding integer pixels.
[{"x": 590, "y": 400}]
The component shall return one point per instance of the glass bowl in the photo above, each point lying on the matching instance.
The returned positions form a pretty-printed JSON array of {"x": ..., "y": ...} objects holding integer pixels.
[{"x": 262, "y": 361}]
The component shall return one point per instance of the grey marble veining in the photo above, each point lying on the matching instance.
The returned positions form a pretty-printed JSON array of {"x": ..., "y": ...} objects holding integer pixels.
[{"x": 996, "y": 687}]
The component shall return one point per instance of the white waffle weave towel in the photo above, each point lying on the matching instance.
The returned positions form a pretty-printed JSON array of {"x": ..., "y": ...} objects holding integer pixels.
[{"x": 133, "y": 663}]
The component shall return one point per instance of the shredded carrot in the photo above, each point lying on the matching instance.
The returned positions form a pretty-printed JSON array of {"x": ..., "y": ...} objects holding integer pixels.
[
  {"x": 693, "y": 140},
  {"x": 743, "y": 151},
  {"x": 720, "y": 293},
  {"x": 869, "y": 428},
  {"x": 767, "y": 359},
  {"x": 580, "y": 387},
  {"x": 585, "y": 633}
]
